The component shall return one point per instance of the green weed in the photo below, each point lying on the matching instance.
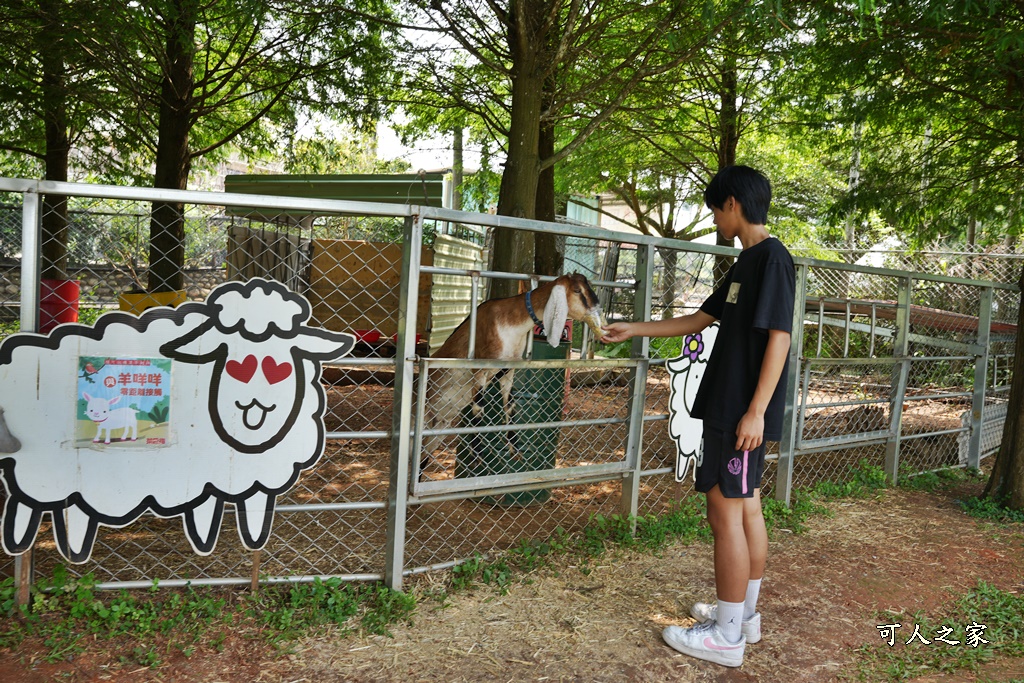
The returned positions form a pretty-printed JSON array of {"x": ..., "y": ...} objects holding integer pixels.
[
  {"x": 67, "y": 611},
  {"x": 976, "y": 627},
  {"x": 992, "y": 510},
  {"x": 937, "y": 481}
]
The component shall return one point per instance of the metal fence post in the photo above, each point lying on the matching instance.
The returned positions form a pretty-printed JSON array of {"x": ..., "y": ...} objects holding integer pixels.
[
  {"x": 31, "y": 236},
  {"x": 401, "y": 438},
  {"x": 794, "y": 404},
  {"x": 980, "y": 377},
  {"x": 900, "y": 350},
  {"x": 638, "y": 383}
]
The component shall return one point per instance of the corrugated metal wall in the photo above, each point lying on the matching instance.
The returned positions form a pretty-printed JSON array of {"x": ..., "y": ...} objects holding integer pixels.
[{"x": 451, "y": 294}]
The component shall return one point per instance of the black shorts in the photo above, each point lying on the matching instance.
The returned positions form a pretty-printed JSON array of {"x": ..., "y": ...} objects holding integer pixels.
[{"x": 737, "y": 473}]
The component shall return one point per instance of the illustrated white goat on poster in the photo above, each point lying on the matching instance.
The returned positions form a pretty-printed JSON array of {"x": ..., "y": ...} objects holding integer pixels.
[
  {"x": 687, "y": 372},
  {"x": 227, "y": 403}
]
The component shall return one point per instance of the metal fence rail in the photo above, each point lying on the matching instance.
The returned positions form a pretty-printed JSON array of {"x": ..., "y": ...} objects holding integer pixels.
[{"x": 905, "y": 370}]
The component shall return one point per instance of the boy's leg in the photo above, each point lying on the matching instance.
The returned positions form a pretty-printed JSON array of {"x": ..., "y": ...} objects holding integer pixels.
[
  {"x": 721, "y": 641},
  {"x": 727, "y": 518},
  {"x": 757, "y": 548},
  {"x": 731, "y": 481},
  {"x": 757, "y": 535}
]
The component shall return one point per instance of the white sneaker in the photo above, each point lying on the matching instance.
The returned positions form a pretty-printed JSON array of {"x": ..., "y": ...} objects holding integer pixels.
[
  {"x": 750, "y": 628},
  {"x": 705, "y": 641}
]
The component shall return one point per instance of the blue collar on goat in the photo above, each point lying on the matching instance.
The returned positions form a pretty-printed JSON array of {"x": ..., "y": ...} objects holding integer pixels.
[{"x": 529, "y": 309}]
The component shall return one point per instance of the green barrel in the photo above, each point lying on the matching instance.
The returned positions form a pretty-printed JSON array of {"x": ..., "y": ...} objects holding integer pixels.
[{"x": 537, "y": 396}]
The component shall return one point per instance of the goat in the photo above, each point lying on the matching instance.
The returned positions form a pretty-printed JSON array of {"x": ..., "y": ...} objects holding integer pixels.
[{"x": 503, "y": 327}]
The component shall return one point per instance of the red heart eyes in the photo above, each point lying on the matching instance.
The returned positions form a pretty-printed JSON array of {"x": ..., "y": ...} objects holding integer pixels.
[
  {"x": 275, "y": 372},
  {"x": 243, "y": 371}
]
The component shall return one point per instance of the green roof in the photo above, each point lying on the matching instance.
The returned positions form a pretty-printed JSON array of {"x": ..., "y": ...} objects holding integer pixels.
[{"x": 425, "y": 189}]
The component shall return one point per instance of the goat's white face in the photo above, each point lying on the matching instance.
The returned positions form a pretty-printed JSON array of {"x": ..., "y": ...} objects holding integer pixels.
[{"x": 582, "y": 300}]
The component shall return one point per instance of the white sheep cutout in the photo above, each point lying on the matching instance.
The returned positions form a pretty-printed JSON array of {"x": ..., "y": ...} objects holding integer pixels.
[
  {"x": 687, "y": 372},
  {"x": 107, "y": 419},
  {"x": 245, "y": 418}
]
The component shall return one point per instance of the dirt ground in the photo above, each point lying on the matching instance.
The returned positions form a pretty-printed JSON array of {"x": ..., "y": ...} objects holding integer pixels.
[{"x": 904, "y": 551}]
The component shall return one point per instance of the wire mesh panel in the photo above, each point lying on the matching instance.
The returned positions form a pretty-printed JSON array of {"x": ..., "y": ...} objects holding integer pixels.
[{"x": 890, "y": 367}]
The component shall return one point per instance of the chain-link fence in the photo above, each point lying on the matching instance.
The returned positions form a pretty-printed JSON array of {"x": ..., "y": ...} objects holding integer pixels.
[{"x": 906, "y": 370}]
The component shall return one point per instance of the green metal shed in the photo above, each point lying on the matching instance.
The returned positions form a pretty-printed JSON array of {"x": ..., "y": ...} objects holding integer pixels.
[{"x": 423, "y": 189}]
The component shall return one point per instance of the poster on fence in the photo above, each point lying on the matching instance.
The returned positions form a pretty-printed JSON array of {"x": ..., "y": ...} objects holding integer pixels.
[{"x": 123, "y": 402}]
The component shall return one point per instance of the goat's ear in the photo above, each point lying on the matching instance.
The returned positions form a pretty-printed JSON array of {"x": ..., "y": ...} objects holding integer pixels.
[{"x": 555, "y": 315}]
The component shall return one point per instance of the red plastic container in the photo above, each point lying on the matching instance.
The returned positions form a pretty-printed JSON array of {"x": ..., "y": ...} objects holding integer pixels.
[
  {"x": 58, "y": 303},
  {"x": 368, "y": 336}
]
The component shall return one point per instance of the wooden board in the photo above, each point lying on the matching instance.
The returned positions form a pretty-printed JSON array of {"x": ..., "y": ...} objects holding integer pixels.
[{"x": 354, "y": 285}]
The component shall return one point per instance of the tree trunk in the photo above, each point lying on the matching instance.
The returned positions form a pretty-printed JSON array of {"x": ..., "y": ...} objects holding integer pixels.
[
  {"x": 728, "y": 141},
  {"x": 458, "y": 168},
  {"x": 54, "y": 223},
  {"x": 1006, "y": 484},
  {"x": 549, "y": 255},
  {"x": 517, "y": 197},
  {"x": 669, "y": 258},
  {"x": 167, "y": 221}
]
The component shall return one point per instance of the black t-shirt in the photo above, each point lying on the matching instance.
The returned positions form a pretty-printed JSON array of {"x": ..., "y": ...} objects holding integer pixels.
[{"x": 757, "y": 296}]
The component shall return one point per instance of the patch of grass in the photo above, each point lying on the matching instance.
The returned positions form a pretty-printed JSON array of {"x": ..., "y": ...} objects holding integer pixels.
[
  {"x": 67, "y": 612},
  {"x": 939, "y": 480},
  {"x": 861, "y": 481},
  {"x": 984, "y": 613},
  {"x": 992, "y": 510},
  {"x": 287, "y": 613}
]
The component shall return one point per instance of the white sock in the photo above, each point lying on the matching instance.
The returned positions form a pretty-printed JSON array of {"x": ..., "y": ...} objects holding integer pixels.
[
  {"x": 730, "y": 618},
  {"x": 750, "y": 603}
]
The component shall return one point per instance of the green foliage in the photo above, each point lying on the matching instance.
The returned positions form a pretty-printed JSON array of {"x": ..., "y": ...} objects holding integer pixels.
[
  {"x": 1000, "y": 612},
  {"x": 861, "y": 481},
  {"x": 66, "y": 612},
  {"x": 290, "y": 612},
  {"x": 992, "y": 509},
  {"x": 937, "y": 480}
]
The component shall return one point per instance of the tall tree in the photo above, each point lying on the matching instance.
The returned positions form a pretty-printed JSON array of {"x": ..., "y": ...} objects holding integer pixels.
[
  {"x": 941, "y": 92},
  {"x": 554, "y": 61},
  {"x": 203, "y": 74},
  {"x": 52, "y": 95},
  {"x": 938, "y": 91},
  {"x": 676, "y": 130}
]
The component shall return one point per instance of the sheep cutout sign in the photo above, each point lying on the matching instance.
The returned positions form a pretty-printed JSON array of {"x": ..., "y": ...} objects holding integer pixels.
[
  {"x": 238, "y": 415},
  {"x": 687, "y": 372}
]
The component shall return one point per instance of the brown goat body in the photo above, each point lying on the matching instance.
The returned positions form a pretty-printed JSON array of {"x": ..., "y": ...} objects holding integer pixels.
[{"x": 503, "y": 327}]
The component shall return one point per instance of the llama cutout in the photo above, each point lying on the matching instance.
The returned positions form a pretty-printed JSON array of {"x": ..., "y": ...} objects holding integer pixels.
[{"x": 687, "y": 372}]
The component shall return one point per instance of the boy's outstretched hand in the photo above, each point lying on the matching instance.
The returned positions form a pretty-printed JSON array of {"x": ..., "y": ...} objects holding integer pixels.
[{"x": 617, "y": 332}]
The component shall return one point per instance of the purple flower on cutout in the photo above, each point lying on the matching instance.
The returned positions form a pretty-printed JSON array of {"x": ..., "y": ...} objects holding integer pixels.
[
  {"x": 693, "y": 346},
  {"x": 735, "y": 466}
]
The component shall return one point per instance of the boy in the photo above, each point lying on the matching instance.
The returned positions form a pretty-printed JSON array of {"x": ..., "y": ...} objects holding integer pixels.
[{"x": 741, "y": 400}]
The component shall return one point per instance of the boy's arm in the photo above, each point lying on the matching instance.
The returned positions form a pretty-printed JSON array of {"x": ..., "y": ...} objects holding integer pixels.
[
  {"x": 670, "y": 327},
  {"x": 750, "y": 431}
]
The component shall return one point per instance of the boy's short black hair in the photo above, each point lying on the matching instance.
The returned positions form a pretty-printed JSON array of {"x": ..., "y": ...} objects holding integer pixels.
[{"x": 748, "y": 186}]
